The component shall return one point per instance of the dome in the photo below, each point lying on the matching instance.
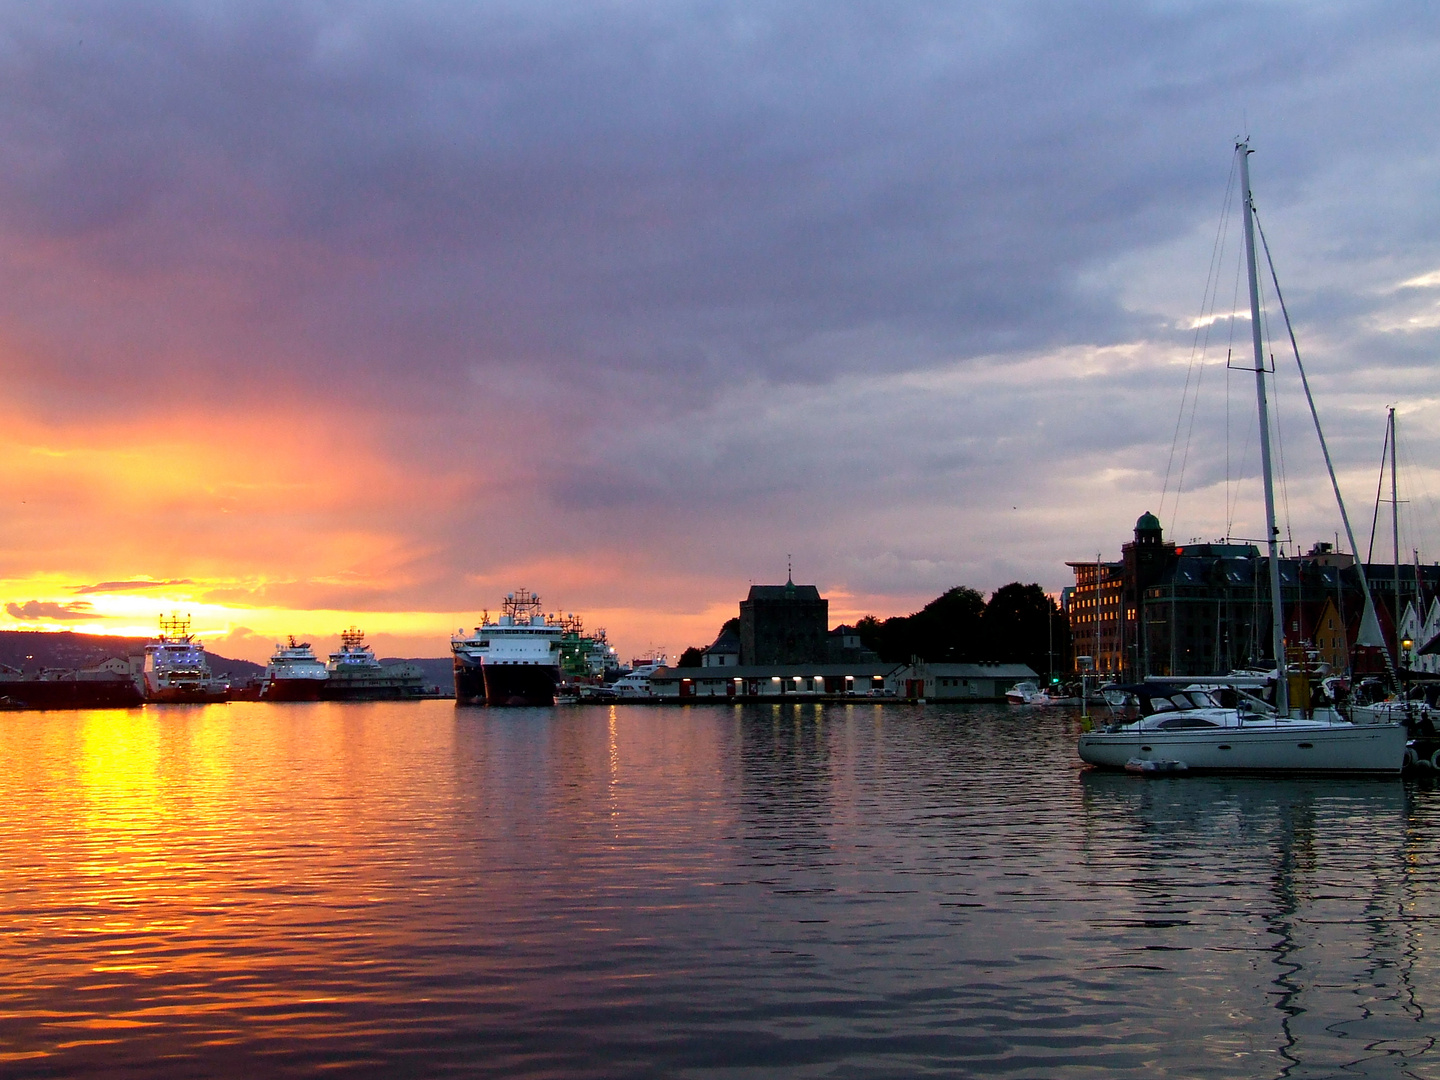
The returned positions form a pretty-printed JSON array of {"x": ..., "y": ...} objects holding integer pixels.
[{"x": 1148, "y": 522}]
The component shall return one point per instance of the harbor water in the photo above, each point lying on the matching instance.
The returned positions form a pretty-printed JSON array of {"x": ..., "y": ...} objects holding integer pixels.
[{"x": 867, "y": 890}]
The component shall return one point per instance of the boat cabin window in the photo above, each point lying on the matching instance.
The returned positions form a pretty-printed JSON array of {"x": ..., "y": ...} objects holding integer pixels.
[
  {"x": 1193, "y": 699},
  {"x": 1185, "y": 722}
]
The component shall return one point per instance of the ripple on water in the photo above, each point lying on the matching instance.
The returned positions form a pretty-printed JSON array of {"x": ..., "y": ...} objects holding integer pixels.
[{"x": 856, "y": 890}]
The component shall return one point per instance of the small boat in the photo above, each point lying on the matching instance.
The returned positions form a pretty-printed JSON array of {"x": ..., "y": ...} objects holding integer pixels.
[
  {"x": 1028, "y": 693},
  {"x": 1155, "y": 767},
  {"x": 1190, "y": 725},
  {"x": 636, "y": 684}
]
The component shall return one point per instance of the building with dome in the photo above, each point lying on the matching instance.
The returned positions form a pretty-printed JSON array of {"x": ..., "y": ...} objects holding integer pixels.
[
  {"x": 1204, "y": 608},
  {"x": 1105, "y": 603}
]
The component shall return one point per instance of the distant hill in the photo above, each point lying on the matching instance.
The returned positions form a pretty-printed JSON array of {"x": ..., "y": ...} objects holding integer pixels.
[
  {"x": 31, "y": 650},
  {"x": 438, "y": 672}
]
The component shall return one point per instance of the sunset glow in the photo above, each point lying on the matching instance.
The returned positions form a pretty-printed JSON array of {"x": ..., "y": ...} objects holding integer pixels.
[{"x": 321, "y": 319}]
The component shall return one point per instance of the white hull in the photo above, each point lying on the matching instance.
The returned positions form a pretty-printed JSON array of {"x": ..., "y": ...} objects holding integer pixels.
[
  {"x": 1391, "y": 712},
  {"x": 1271, "y": 746}
]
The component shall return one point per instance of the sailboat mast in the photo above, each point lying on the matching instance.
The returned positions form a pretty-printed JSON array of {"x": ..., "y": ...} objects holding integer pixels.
[
  {"x": 1395, "y": 531},
  {"x": 1277, "y": 609}
]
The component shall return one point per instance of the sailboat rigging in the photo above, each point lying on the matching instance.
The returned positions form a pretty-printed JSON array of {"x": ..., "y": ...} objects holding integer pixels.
[{"x": 1183, "y": 725}]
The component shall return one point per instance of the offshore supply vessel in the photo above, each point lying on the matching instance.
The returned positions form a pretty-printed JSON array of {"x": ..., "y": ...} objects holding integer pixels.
[
  {"x": 109, "y": 686},
  {"x": 353, "y": 674},
  {"x": 514, "y": 660},
  {"x": 585, "y": 659},
  {"x": 176, "y": 670},
  {"x": 294, "y": 673}
]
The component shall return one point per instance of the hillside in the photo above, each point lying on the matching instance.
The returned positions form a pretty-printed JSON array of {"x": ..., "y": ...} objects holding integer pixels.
[{"x": 31, "y": 650}]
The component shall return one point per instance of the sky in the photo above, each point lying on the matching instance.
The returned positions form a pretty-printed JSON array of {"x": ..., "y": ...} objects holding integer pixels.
[{"x": 316, "y": 314}]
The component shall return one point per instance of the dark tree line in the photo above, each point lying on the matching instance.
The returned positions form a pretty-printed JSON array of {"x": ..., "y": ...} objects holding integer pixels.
[{"x": 1019, "y": 625}]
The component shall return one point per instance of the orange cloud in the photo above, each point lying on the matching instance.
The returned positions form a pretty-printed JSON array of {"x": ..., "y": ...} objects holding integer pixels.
[{"x": 39, "y": 610}]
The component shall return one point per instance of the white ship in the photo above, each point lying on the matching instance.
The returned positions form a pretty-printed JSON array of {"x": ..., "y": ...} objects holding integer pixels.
[
  {"x": 514, "y": 660},
  {"x": 294, "y": 673},
  {"x": 637, "y": 683},
  {"x": 353, "y": 673},
  {"x": 353, "y": 656},
  {"x": 176, "y": 670}
]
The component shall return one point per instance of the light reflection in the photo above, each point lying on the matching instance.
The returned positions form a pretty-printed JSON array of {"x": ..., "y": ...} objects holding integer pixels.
[
  {"x": 337, "y": 886},
  {"x": 611, "y": 729}
]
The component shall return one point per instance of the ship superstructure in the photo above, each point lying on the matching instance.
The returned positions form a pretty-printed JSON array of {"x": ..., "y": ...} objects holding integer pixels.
[
  {"x": 353, "y": 673},
  {"x": 584, "y": 658},
  {"x": 176, "y": 668},
  {"x": 514, "y": 660},
  {"x": 294, "y": 673},
  {"x": 636, "y": 682}
]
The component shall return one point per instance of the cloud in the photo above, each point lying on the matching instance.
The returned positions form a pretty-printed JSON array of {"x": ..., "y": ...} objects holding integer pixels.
[
  {"x": 684, "y": 195},
  {"x": 141, "y": 585},
  {"x": 33, "y": 610},
  {"x": 378, "y": 308},
  {"x": 1422, "y": 281}
]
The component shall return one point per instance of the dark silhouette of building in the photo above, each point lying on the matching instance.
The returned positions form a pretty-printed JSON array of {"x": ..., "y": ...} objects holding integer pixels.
[
  {"x": 725, "y": 652},
  {"x": 783, "y": 624},
  {"x": 843, "y": 646},
  {"x": 1204, "y": 609}
]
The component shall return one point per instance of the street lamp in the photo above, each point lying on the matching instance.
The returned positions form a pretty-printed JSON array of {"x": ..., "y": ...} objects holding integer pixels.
[
  {"x": 1407, "y": 645},
  {"x": 1085, "y": 665}
]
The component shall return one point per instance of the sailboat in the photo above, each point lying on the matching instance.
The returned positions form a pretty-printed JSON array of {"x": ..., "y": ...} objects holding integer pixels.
[
  {"x": 1407, "y": 707},
  {"x": 1186, "y": 728}
]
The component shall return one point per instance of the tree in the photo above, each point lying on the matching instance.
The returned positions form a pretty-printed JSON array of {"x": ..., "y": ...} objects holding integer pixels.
[
  {"x": 691, "y": 657},
  {"x": 1022, "y": 625},
  {"x": 946, "y": 629}
]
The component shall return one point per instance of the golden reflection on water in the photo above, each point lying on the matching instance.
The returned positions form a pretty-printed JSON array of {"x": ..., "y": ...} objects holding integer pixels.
[
  {"x": 194, "y": 866},
  {"x": 633, "y": 889},
  {"x": 611, "y": 724}
]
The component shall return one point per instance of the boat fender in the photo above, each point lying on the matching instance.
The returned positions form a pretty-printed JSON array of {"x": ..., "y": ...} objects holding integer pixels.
[
  {"x": 1411, "y": 758},
  {"x": 1435, "y": 760}
]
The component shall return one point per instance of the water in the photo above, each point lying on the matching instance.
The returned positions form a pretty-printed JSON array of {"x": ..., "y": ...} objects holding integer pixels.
[{"x": 847, "y": 891}]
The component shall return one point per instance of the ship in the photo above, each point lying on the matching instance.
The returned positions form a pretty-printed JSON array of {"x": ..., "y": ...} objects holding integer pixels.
[
  {"x": 514, "y": 660},
  {"x": 176, "y": 670},
  {"x": 635, "y": 683},
  {"x": 294, "y": 673},
  {"x": 111, "y": 685},
  {"x": 584, "y": 658},
  {"x": 353, "y": 674}
]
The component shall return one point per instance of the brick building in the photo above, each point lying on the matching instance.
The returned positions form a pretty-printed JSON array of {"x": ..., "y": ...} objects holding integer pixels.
[
  {"x": 783, "y": 624},
  {"x": 1204, "y": 609}
]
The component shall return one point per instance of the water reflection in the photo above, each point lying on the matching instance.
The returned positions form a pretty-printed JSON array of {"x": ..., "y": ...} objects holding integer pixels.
[
  {"x": 867, "y": 890},
  {"x": 785, "y": 783},
  {"x": 1319, "y": 881}
]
